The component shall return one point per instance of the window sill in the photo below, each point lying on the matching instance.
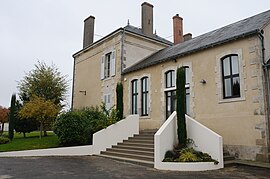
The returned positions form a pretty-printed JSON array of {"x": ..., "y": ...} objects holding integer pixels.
[{"x": 229, "y": 100}]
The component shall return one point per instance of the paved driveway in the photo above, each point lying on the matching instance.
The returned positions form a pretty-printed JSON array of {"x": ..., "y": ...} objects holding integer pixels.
[{"x": 96, "y": 167}]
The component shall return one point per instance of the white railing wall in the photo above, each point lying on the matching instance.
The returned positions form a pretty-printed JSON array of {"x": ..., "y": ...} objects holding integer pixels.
[
  {"x": 101, "y": 140},
  {"x": 165, "y": 139},
  {"x": 205, "y": 141}
]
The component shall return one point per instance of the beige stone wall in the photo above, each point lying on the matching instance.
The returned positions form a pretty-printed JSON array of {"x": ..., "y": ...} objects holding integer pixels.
[
  {"x": 241, "y": 121},
  {"x": 137, "y": 48},
  {"x": 87, "y": 74},
  {"x": 88, "y": 66}
]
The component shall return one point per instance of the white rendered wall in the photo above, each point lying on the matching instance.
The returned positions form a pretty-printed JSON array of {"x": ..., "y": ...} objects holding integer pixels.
[
  {"x": 101, "y": 140},
  {"x": 205, "y": 140}
]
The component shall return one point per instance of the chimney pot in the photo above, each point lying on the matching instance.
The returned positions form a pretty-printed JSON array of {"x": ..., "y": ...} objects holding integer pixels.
[
  {"x": 178, "y": 29},
  {"x": 147, "y": 18},
  {"x": 88, "y": 36},
  {"x": 187, "y": 36}
]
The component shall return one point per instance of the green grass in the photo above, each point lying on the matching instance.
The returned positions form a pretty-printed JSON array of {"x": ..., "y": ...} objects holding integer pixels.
[{"x": 31, "y": 141}]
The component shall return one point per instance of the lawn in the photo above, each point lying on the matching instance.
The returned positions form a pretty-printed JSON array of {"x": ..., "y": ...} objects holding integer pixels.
[{"x": 31, "y": 141}]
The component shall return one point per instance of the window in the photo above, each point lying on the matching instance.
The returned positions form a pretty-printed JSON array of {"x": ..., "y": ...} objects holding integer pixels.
[
  {"x": 230, "y": 76},
  {"x": 107, "y": 65},
  {"x": 187, "y": 74},
  {"x": 170, "y": 79},
  {"x": 107, "y": 101},
  {"x": 144, "y": 82},
  {"x": 170, "y": 93},
  {"x": 134, "y": 98}
]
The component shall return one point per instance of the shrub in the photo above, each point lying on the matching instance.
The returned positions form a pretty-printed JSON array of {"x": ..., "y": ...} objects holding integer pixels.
[
  {"x": 187, "y": 155},
  {"x": 119, "y": 101},
  {"x": 4, "y": 140},
  {"x": 76, "y": 127}
]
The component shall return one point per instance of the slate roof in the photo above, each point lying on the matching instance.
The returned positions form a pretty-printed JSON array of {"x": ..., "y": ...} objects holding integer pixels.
[
  {"x": 131, "y": 29},
  {"x": 138, "y": 31},
  {"x": 240, "y": 29}
]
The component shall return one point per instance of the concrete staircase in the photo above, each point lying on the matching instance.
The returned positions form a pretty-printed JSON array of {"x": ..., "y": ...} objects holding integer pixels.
[
  {"x": 138, "y": 149},
  {"x": 228, "y": 159}
]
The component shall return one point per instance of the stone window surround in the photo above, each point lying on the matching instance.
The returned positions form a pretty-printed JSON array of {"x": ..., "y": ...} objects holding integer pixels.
[
  {"x": 140, "y": 95},
  {"x": 164, "y": 89},
  {"x": 219, "y": 82}
]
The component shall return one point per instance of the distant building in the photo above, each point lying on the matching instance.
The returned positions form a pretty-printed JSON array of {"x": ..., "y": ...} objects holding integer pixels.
[{"x": 227, "y": 78}]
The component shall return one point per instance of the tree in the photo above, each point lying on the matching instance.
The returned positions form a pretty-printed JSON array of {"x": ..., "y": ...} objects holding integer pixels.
[
  {"x": 181, "y": 106},
  {"x": 3, "y": 117},
  {"x": 12, "y": 117},
  {"x": 119, "y": 101},
  {"x": 45, "y": 111},
  {"x": 45, "y": 82},
  {"x": 23, "y": 125}
]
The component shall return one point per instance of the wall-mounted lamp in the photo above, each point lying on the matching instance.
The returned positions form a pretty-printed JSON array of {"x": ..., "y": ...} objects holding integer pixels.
[
  {"x": 202, "y": 81},
  {"x": 84, "y": 92}
]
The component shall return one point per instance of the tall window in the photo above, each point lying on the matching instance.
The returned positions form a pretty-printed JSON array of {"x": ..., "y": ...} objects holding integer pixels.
[
  {"x": 107, "y": 65},
  {"x": 230, "y": 76},
  {"x": 187, "y": 70},
  {"x": 134, "y": 100},
  {"x": 145, "y": 100},
  {"x": 170, "y": 93}
]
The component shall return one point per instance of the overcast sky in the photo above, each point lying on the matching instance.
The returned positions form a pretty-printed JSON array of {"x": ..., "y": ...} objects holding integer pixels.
[{"x": 51, "y": 30}]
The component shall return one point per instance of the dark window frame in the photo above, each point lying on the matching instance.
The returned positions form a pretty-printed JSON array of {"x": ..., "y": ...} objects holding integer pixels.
[
  {"x": 144, "y": 97},
  {"x": 134, "y": 95},
  {"x": 231, "y": 76},
  {"x": 170, "y": 73}
]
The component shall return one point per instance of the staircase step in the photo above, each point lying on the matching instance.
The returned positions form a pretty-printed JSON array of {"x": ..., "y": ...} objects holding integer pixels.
[
  {"x": 140, "y": 140},
  {"x": 228, "y": 158},
  {"x": 126, "y": 155},
  {"x": 133, "y": 148},
  {"x": 136, "y": 152},
  {"x": 137, "y": 144},
  {"x": 134, "y": 161},
  {"x": 142, "y": 137}
]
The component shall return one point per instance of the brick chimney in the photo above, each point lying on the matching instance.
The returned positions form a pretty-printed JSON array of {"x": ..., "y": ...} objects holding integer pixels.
[
  {"x": 177, "y": 29},
  {"x": 147, "y": 18},
  {"x": 88, "y": 36}
]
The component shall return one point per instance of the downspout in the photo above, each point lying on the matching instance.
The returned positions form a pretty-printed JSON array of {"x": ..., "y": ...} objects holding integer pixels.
[
  {"x": 73, "y": 81},
  {"x": 122, "y": 54},
  {"x": 266, "y": 83}
]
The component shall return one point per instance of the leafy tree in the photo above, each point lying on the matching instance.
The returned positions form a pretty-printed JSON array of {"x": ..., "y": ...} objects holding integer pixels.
[
  {"x": 3, "y": 117},
  {"x": 44, "y": 81},
  {"x": 181, "y": 106},
  {"x": 45, "y": 111},
  {"x": 24, "y": 125},
  {"x": 12, "y": 117},
  {"x": 119, "y": 100}
]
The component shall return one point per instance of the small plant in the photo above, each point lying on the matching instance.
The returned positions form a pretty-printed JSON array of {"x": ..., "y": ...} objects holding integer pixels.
[
  {"x": 187, "y": 155},
  {"x": 4, "y": 140},
  {"x": 180, "y": 154}
]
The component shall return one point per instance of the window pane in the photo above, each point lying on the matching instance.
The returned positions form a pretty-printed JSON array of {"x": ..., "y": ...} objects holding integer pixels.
[
  {"x": 187, "y": 75},
  {"x": 227, "y": 87},
  {"x": 173, "y": 78},
  {"x": 168, "y": 80},
  {"x": 235, "y": 65},
  {"x": 236, "y": 86},
  {"x": 187, "y": 104},
  {"x": 226, "y": 66}
]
